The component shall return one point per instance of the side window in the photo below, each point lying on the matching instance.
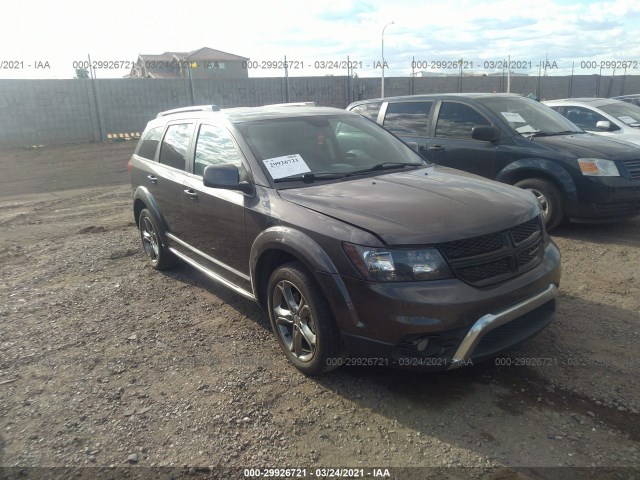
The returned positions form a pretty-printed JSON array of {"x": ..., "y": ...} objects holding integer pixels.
[
  {"x": 583, "y": 117},
  {"x": 408, "y": 118},
  {"x": 175, "y": 145},
  {"x": 456, "y": 120},
  {"x": 369, "y": 110},
  {"x": 149, "y": 143},
  {"x": 215, "y": 147}
]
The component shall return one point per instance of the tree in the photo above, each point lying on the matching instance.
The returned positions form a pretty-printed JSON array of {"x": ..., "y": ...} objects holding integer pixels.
[{"x": 82, "y": 73}]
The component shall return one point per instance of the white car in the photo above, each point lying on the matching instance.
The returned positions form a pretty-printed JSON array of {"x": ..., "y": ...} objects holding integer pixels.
[{"x": 602, "y": 116}]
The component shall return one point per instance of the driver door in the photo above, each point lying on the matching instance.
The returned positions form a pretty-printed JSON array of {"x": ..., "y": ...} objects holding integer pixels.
[
  {"x": 453, "y": 146},
  {"x": 216, "y": 216}
]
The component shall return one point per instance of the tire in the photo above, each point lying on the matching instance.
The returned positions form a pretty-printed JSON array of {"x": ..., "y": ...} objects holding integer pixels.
[
  {"x": 302, "y": 320},
  {"x": 549, "y": 197},
  {"x": 159, "y": 258}
]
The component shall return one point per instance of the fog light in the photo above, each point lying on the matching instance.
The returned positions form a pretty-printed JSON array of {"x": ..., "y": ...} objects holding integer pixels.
[{"x": 422, "y": 345}]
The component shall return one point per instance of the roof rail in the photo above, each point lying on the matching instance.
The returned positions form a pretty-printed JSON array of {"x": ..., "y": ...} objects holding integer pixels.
[
  {"x": 293, "y": 104},
  {"x": 195, "y": 108}
]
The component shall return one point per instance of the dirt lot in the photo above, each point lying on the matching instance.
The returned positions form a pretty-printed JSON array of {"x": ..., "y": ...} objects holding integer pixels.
[{"x": 105, "y": 362}]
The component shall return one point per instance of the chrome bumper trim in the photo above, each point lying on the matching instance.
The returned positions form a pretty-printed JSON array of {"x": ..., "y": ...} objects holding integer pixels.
[{"x": 490, "y": 321}]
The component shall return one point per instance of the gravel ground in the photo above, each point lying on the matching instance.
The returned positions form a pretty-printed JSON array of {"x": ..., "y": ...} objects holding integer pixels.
[{"x": 106, "y": 363}]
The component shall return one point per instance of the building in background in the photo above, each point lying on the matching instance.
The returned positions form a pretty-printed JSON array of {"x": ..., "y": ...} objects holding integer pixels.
[{"x": 202, "y": 63}]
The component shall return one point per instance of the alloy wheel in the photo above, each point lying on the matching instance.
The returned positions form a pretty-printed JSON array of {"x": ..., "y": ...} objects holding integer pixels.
[
  {"x": 149, "y": 239},
  {"x": 294, "y": 320}
]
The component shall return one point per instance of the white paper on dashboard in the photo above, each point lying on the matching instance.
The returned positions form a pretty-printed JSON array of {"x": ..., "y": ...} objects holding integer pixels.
[
  {"x": 526, "y": 129},
  {"x": 513, "y": 117},
  {"x": 280, "y": 167}
]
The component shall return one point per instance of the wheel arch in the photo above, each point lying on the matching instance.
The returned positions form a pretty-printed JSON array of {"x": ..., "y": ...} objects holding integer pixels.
[
  {"x": 278, "y": 245},
  {"x": 142, "y": 199},
  {"x": 539, "y": 168}
]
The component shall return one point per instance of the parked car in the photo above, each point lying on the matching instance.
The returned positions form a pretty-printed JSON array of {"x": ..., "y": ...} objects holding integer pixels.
[
  {"x": 360, "y": 251},
  {"x": 602, "y": 116},
  {"x": 633, "y": 99},
  {"x": 519, "y": 141}
]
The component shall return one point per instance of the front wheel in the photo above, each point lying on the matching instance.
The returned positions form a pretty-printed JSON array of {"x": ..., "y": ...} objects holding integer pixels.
[
  {"x": 549, "y": 197},
  {"x": 302, "y": 320}
]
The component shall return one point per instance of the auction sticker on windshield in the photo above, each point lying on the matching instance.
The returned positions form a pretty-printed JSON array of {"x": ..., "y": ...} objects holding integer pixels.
[
  {"x": 280, "y": 167},
  {"x": 513, "y": 117}
]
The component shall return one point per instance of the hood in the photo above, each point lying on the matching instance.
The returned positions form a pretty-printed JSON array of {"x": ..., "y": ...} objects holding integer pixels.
[
  {"x": 428, "y": 205},
  {"x": 586, "y": 145}
]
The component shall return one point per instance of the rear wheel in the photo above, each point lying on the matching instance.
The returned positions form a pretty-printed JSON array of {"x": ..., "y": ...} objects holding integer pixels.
[
  {"x": 158, "y": 257},
  {"x": 549, "y": 197},
  {"x": 302, "y": 320}
]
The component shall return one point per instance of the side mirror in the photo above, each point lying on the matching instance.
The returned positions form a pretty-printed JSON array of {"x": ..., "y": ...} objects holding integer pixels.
[
  {"x": 484, "y": 133},
  {"x": 414, "y": 146},
  {"x": 226, "y": 176},
  {"x": 604, "y": 125}
]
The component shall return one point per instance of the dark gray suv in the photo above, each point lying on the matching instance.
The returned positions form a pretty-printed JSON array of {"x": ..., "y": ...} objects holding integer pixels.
[{"x": 361, "y": 252}]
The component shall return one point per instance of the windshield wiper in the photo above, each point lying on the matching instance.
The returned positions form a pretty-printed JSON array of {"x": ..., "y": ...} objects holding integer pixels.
[
  {"x": 548, "y": 134},
  {"x": 385, "y": 166},
  {"x": 310, "y": 177}
]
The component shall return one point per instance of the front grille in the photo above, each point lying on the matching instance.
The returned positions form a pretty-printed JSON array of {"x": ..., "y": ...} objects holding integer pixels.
[
  {"x": 633, "y": 166},
  {"x": 483, "y": 271},
  {"x": 496, "y": 257},
  {"x": 472, "y": 246},
  {"x": 529, "y": 255},
  {"x": 523, "y": 231}
]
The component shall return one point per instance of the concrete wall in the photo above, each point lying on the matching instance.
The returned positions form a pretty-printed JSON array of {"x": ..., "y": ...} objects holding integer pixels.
[{"x": 35, "y": 112}]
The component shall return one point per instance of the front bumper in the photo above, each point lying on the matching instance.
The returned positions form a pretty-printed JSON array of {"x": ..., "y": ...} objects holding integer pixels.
[
  {"x": 604, "y": 198},
  {"x": 462, "y": 324},
  {"x": 491, "y": 321}
]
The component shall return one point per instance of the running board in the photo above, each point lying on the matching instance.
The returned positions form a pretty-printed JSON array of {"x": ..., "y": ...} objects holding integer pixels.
[{"x": 212, "y": 275}]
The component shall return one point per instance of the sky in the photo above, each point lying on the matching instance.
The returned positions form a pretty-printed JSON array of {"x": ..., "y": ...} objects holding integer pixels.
[{"x": 44, "y": 39}]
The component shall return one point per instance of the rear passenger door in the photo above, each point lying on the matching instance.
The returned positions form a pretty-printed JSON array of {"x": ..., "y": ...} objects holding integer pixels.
[
  {"x": 169, "y": 174},
  {"x": 215, "y": 216},
  {"x": 452, "y": 144}
]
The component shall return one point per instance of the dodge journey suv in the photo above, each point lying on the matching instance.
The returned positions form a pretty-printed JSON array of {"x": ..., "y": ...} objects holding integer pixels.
[
  {"x": 519, "y": 141},
  {"x": 360, "y": 250}
]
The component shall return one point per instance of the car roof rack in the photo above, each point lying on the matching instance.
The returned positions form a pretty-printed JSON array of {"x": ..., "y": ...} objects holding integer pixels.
[
  {"x": 195, "y": 108},
  {"x": 293, "y": 104}
]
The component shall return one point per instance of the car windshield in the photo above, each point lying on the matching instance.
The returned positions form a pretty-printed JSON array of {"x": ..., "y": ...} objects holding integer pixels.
[
  {"x": 528, "y": 117},
  {"x": 623, "y": 111},
  {"x": 312, "y": 148}
]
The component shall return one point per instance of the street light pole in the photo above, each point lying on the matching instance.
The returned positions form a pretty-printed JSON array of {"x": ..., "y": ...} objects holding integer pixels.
[{"x": 385, "y": 27}]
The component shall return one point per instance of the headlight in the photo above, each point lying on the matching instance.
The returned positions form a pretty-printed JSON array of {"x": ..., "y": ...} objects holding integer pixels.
[
  {"x": 397, "y": 264},
  {"x": 598, "y": 167}
]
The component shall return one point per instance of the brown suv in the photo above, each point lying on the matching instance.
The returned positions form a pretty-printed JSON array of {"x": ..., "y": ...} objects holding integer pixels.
[{"x": 360, "y": 250}]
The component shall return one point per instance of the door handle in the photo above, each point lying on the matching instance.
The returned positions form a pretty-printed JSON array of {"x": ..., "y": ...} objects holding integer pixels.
[
  {"x": 192, "y": 194},
  {"x": 435, "y": 148},
  {"x": 153, "y": 178}
]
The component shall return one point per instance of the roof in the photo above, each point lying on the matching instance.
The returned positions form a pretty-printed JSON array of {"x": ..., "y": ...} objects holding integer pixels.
[
  {"x": 634, "y": 95},
  {"x": 431, "y": 96},
  {"x": 249, "y": 114},
  {"x": 594, "y": 102}
]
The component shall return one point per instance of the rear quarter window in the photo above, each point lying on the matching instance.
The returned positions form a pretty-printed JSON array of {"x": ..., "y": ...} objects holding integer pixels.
[
  {"x": 149, "y": 143},
  {"x": 175, "y": 145},
  {"x": 368, "y": 110}
]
